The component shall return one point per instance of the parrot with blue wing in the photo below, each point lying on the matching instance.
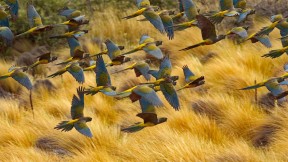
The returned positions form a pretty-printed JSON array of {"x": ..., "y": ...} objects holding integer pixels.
[
  {"x": 35, "y": 22},
  {"x": 103, "y": 80},
  {"x": 149, "y": 45},
  {"x": 74, "y": 69},
  {"x": 191, "y": 79},
  {"x": 148, "y": 115},
  {"x": 78, "y": 119},
  {"x": 208, "y": 32},
  {"x": 114, "y": 54}
]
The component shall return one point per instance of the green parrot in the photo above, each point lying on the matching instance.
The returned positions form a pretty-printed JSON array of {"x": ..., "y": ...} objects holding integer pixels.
[
  {"x": 282, "y": 24},
  {"x": 262, "y": 36},
  {"x": 190, "y": 78},
  {"x": 115, "y": 55},
  {"x": 208, "y": 32},
  {"x": 190, "y": 10},
  {"x": 272, "y": 84},
  {"x": 75, "y": 23},
  {"x": 140, "y": 68},
  {"x": 238, "y": 33},
  {"x": 168, "y": 23},
  {"x": 17, "y": 74},
  {"x": 277, "y": 53},
  {"x": 69, "y": 13},
  {"x": 74, "y": 46},
  {"x": 149, "y": 13},
  {"x": 243, "y": 15},
  {"x": 226, "y": 10},
  {"x": 78, "y": 120},
  {"x": 103, "y": 80},
  {"x": 74, "y": 69},
  {"x": 244, "y": 12},
  {"x": 149, "y": 45},
  {"x": 35, "y": 22},
  {"x": 43, "y": 59},
  {"x": 166, "y": 83},
  {"x": 78, "y": 55},
  {"x": 76, "y": 34},
  {"x": 148, "y": 115},
  {"x": 138, "y": 92},
  {"x": 105, "y": 51}
]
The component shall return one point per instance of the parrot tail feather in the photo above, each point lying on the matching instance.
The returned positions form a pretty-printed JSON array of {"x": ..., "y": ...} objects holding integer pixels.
[{"x": 64, "y": 126}]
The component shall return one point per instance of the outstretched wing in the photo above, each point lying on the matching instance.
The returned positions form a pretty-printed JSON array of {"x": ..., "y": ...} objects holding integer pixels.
[
  {"x": 82, "y": 128},
  {"x": 22, "y": 78},
  {"x": 274, "y": 87},
  {"x": 102, "y": 75},
  {"x": 148, "y": 94},
  {"x": 145, "y": 39},
  {"x": 113, "y": 49},
  {"x": 168, "y": 24},
  {"x": 154, "y": 19},
  {"x": 170, "y": 94},
  {"x": 142, "y": 69},
  {"x": 69, "y": 13},
  {"x": 207, "y": 27},
  {"x": 165, "y": 68},
  {"x": 264, "y": 39},
  {"x": 33, "y": 16},
  {"x": 146, "y": 106},
  {"x": 190, "y": 9},
  {"x": 153, "y": 50},
  {"x": 74, "y": 45},
  {"x": 77, "y": 72},
  {"x": 78, "y": 104},
  {"x": 187, "y": 73},
  {"x": 108, "y": 91},
  {"x": 240, "y": 31}
]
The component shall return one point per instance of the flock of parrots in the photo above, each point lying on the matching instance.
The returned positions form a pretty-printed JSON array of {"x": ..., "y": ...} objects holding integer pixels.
[{"x": 167, "y": 22}]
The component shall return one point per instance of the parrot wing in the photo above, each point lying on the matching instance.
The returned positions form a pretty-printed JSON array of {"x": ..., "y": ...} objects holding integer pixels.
[
  {"x": 102, "y": 75},
  {"x": 77, "y": 106},
  {"x": 82, "y": 128}
]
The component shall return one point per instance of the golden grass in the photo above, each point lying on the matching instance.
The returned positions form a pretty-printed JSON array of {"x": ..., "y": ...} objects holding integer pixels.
[{"x": 216, "y": 122}]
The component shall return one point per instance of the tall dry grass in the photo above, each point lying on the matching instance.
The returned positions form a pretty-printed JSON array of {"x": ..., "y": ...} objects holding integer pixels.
[{"x": 216, "y": 122}]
